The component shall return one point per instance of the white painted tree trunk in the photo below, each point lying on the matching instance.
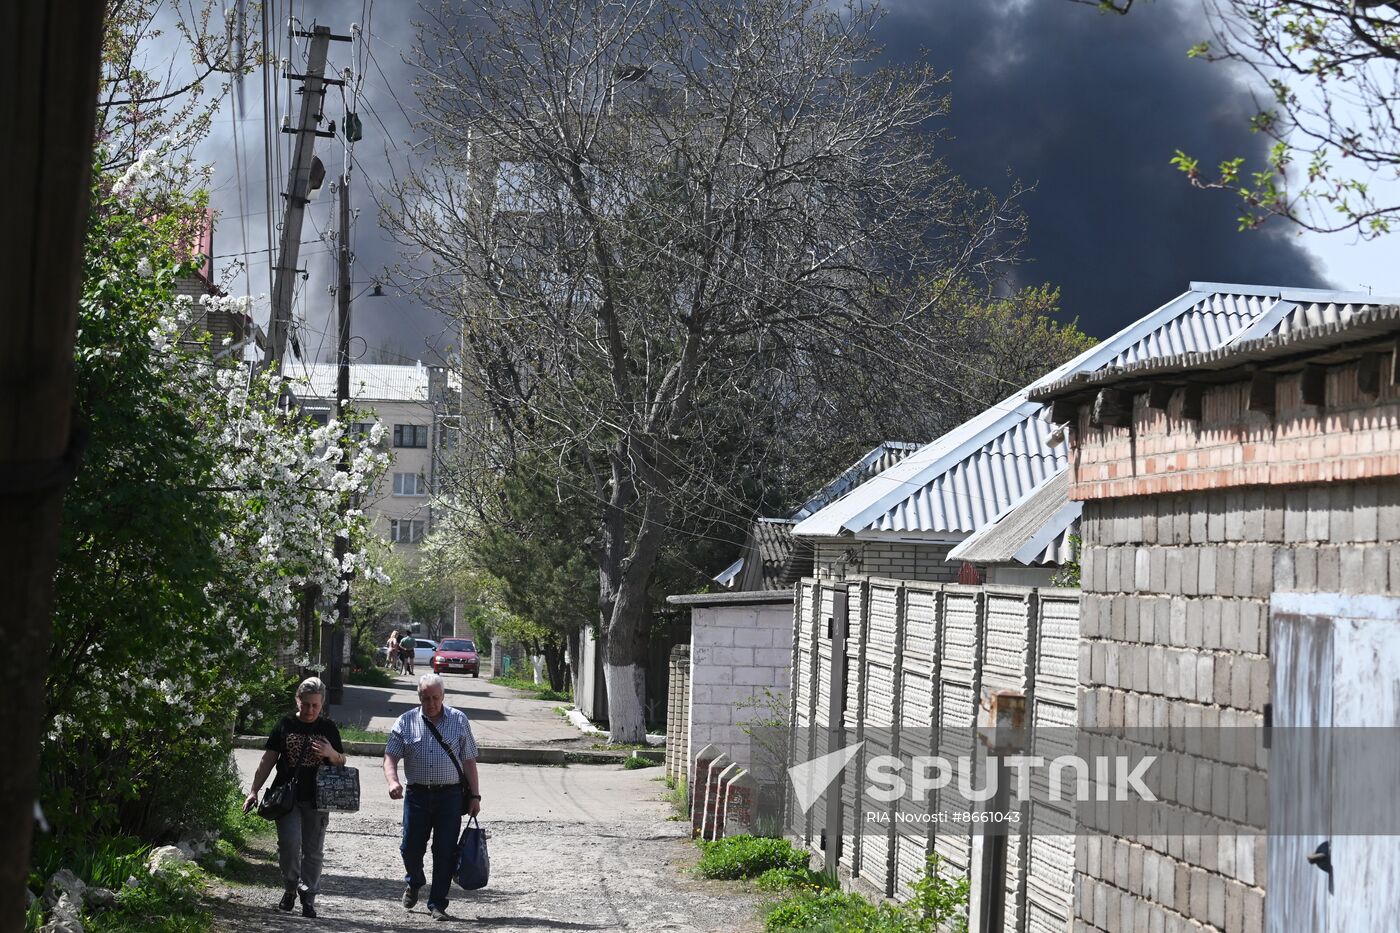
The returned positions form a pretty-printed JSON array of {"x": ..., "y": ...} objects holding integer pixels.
[
  {"x": 537, "y": 662},
  {"x": 625, "y": 719}
]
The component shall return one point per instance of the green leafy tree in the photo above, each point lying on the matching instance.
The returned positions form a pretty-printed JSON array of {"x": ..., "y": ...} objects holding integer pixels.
[
  {"x": 198, "y": 515},
  {"x": 532, "y": 543}
]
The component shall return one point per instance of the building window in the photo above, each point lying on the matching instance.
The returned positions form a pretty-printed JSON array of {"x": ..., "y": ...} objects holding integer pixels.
[
  {"x": 407, "y": 530},
  {"x": 410, "y": 484},
  {"x": 362, "y": 428},
  {"x": 410, "y": 435}
]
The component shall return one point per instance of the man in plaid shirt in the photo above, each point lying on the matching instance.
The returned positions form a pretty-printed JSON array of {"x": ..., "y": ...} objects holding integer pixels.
[{"x": 432, "y": 803}]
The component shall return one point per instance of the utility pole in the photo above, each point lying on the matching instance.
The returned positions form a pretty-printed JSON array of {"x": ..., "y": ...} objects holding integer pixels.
[
  {"x": 333, "y": 637},
  {"x": 313, "y": 95}
]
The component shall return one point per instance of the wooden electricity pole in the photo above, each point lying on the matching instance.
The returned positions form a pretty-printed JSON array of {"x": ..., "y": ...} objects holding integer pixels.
[{"x": 48, "y": 104}]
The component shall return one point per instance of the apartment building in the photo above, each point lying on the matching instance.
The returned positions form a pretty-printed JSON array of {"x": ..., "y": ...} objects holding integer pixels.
[{"x": 412, "y": 402}]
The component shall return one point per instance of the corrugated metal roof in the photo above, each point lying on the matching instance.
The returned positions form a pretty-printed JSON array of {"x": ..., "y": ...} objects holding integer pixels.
[
  {"x": 381, "y": 382},
  {"x": 1033, "y": 530},
  {"x": 1346, "y": 337},
  {"x": 877, "y": 460},
  {"x": 955, "y": 485},
  {"x": 975, "y": 489}
]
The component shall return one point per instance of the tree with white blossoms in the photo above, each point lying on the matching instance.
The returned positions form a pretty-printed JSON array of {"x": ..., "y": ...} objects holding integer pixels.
[{"x": 200, "y": 512}]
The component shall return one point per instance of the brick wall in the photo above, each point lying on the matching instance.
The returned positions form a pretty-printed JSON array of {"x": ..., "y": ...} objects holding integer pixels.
[
  {"x": 736, "y": 653},
  {"x": 1352, "y": 437},
  {"x": 844, "y": 557},
  {"x": 1189, "y": 527}
]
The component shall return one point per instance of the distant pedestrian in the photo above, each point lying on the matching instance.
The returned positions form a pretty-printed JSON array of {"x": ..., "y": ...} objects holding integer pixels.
[
  {"x": 406, "y": 645},
  {"x": 391, "y": 650},
  {"x": 297, "y": 746},
  {"x": 438, "y": 752}
]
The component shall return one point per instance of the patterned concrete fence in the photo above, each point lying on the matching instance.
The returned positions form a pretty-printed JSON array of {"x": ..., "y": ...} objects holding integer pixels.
[
  {"x": 678, "y": 715},
  {"x": 917, "y": 659}
]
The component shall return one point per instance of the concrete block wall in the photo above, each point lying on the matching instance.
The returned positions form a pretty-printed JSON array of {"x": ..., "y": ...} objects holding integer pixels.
[
  {"x": 678, "y": 715},
  {"x": 736, "y": 653},
  {"x": 1183, "y": 545},
  {"x": 837, "y": 558}
]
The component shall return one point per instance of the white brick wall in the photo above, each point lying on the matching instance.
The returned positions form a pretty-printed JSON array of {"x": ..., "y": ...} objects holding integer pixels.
[
  {"x": 901, "y": 560},
  {"x": 736, "y": 653}
]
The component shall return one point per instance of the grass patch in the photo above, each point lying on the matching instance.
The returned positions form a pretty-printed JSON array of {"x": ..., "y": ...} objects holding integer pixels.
[
  {"x": 165, "y": 902},
  {"x": 237, "y": 831},
  {"x": 538, "y": 691},
  {"x": 633, "y": 762},
  {"x": 678, "y": 798},
  {"x": 620, "y": 746},
  {"x": 747, "y": 856},
  {"x": 356, "y": 734},
  {"x": 371, "y": 677},
  {"x": 937, "y": 904}
]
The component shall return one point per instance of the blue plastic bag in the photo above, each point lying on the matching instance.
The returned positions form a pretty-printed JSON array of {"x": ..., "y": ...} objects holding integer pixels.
[{"x": 473, "y": 862}]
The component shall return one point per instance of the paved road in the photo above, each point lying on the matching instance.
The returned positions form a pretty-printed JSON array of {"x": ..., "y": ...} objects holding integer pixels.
[
  {"x": 500, "y": 716},
  {"x": 587, "y": 847}
]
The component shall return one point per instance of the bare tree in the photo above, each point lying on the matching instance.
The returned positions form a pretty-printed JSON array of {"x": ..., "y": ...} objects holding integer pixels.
[
  {"x": 165, "y": 68},
  {"x": 1332, "y": 69},
  {"x": 649, "y": 218}
]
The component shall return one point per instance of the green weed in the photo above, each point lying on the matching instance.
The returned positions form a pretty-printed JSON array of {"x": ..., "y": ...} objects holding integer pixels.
[
  {"x": 747, "y": 856},
  {"x": 937, "y": 903},
  {"x": 633, "y": 762}
]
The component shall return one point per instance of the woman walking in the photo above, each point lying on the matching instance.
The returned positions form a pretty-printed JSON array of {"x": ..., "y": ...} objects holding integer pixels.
[
  {"x": 391, "y": 651},
  {"x": 297, "y": 746}
]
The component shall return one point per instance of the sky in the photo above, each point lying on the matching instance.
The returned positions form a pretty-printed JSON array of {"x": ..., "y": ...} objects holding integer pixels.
[{"x": 1087, "y": 107}]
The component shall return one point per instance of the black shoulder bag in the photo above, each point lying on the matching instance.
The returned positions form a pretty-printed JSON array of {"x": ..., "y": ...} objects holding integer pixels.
[
  {"x": 466, "y": 788},
  {"x": 281, "y": 800}
]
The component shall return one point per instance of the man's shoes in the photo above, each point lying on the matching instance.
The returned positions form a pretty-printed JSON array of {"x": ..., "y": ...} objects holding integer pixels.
[
  {"x": 289, "y": 897},
  {"x": 410, "y": 897},
  {"x": 438, "y": 913},
  {"x": 308, "y": 911}
]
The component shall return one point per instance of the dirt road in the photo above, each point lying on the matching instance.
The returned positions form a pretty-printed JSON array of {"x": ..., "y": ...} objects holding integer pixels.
[{"x": 587, "y": 847}]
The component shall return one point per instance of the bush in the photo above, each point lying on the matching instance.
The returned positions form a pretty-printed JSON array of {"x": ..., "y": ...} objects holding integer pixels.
[
  {"x": 272, "y": 700},
  {"x": 371, "y": 677},
  {"x": 747, "y": 857},
  {"x": 633, "y": 762}
]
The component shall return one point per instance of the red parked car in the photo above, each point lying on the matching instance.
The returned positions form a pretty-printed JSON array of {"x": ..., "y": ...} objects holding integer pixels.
[{"x": 456, "y": 654}]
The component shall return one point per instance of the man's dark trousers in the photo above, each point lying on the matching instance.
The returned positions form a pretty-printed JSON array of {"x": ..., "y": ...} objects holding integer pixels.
[{"x": 435, "y": 810}]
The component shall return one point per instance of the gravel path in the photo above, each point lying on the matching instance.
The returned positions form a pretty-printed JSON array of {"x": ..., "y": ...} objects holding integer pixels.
[{"x": 587, "y": 847}]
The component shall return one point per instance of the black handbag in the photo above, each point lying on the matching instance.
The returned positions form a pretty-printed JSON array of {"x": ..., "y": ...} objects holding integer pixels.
[
  {"x": 466, "y": 788},
  {"x": 279, "y": 801}
]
